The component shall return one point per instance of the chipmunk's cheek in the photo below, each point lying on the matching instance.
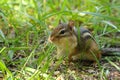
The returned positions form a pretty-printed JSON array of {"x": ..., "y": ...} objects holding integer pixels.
[
  {"x": 57, "y": 41},
  {"x": 67, "y": 42}
]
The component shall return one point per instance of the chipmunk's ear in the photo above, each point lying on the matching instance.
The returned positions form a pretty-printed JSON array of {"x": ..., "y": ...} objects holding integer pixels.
[{"x": 71, "y": 24}]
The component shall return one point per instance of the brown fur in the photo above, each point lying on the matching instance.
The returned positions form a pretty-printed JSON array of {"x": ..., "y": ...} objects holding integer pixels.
[{"x": 85, "y": 49}]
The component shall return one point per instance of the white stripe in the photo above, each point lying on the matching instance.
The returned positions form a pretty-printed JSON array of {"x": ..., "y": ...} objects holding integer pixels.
[{"x": 86, "y": 34}]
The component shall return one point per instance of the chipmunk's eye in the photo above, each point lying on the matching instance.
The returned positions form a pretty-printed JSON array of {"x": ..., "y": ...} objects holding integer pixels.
[{"x": 62, "y": 32}]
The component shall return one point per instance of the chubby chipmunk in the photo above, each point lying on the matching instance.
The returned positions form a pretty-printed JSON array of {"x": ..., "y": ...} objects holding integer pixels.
[{"x": 76, "y": 43}]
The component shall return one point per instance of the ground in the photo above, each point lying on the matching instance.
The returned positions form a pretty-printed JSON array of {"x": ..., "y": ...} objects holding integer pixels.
[{"x": 83, "y": 70}]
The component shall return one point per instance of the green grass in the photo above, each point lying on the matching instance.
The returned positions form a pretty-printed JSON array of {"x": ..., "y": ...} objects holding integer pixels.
[{"x": 25, "y": 53}]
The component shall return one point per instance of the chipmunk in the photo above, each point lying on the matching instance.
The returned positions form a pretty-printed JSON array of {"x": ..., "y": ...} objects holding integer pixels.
[{"x": 76, "y": 42}]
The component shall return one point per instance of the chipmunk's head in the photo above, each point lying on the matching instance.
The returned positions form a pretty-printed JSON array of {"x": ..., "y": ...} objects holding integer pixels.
[{"x": 64, "y": 35}]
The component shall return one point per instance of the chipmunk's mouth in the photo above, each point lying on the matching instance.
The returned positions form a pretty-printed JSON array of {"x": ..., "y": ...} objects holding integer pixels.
[{"x": 51, "y": 39}]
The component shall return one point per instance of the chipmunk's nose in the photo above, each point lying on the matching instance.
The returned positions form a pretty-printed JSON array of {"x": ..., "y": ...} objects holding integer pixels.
[{"x": 50, "y": 39}]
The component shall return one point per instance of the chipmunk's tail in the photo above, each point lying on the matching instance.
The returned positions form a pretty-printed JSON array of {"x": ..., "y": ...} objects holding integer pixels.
[{"x": 110, "y": 51}]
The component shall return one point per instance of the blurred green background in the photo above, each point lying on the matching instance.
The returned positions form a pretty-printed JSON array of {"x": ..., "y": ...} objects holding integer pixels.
[{"x": 26, "y": 24}]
